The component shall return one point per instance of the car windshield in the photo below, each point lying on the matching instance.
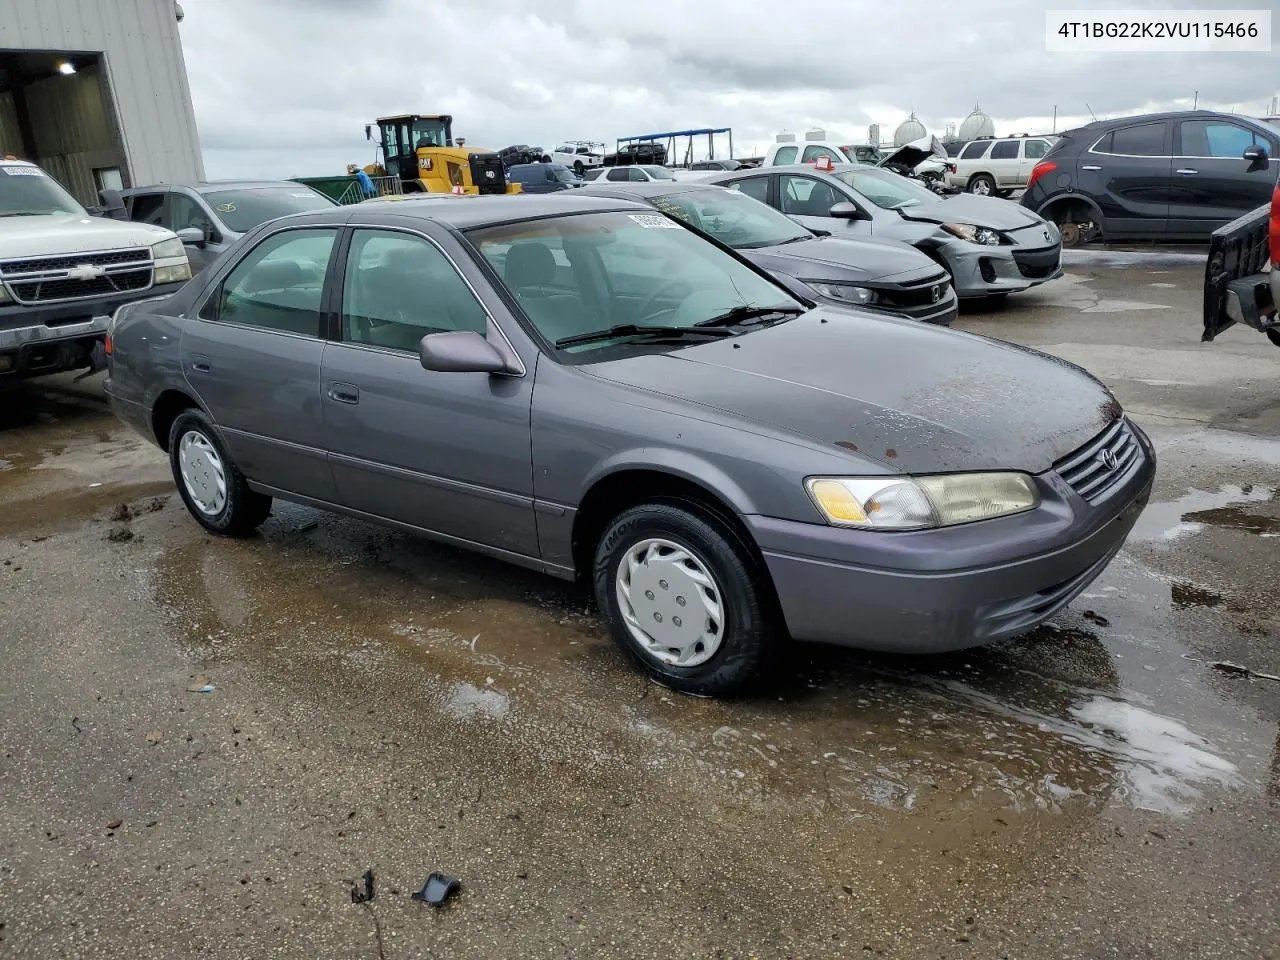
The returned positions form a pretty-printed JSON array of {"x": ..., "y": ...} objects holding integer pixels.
[
  {"x": 583, "y": 273},
  {"x": 242, "y": 210},
  {"x": 563, "y": 174},
  {"x": 733, "y": 218},
  {"x": 592, "y": 174},
  {"x": 885, "y": 189},
  {"x": 29, "y": 192},
  {"x": 658, "y": 173}
]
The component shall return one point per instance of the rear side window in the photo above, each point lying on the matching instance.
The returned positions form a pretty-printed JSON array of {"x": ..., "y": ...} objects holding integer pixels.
[
  {"x": 1140, "y": 140},
  {"x": 785, "y": 155},
  {"x": 1035, "y": 149},
  {"x": 975, "y": 150},
  {"x": 757, "y": 188},
  {"x": 279, "y": 284},
  {"x": 619, "y": 173},
  {"x": 1005, "y": 150}
]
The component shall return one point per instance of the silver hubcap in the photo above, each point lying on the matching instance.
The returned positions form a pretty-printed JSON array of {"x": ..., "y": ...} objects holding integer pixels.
[
  {"x": 202, "y": 473},
  {"x": 670, "y": 602},
  {"x": 981, "y": 187}
]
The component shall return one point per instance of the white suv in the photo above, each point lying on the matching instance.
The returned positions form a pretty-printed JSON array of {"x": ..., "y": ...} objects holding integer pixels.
[{"x": 997, "y": 167}]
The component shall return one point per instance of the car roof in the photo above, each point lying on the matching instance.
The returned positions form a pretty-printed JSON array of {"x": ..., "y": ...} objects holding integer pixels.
[
  {"x": 482, "y": 211},
  {"x": 643, "y": 190},
  {"x": 1113, "y": 122},
  {"x": 810, "y": 169},
  {"x": 213, "y": 186}
]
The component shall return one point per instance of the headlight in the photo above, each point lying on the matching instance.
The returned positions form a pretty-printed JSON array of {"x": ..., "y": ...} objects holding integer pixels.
[
  {"x": 917, "y": 503},
  {"x": 974, "y": 234},
  {"x": 176, "y": 274},
  {"x": 168, "y": 249},
  {"x": 847, "y": 292}
]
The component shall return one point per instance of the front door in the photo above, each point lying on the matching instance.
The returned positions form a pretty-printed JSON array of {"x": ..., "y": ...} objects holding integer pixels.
[
  {"x": 446, "y": 452},
  {"x": 808, "y": 201},
  {"x": 1212, "y": 184},
  {"x": 253, "y": 358},
  {"x": 1129, "y": 173}
]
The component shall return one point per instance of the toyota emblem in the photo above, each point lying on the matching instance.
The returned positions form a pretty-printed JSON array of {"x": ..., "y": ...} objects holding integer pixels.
[{"x": 1107, "y": 459}]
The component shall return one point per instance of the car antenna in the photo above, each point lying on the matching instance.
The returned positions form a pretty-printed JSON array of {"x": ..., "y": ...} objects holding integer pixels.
[{"x": 1090, "y": 109}]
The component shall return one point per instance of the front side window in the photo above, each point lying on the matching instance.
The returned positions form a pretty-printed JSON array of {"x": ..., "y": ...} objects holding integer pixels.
[
  {"x": 147, "y": 208},
  {"x": 785, "y": 155},
  {"x": 184, "y": 213},
  {"x": 807, "y": 197},
  {"x": 578, "y": 274},
  {"x": 399, "y": 288},
  {"x": 734, "y": 220},
  {"x": 975, "y": 150},
  {"x": 1140, "y": 140},
  {"x": 887, "y": 190},
  {"x": 242, "y": 210},
  {"x": 1213, "y": 138},
  {"x": 27, "y": 191},
  {"x": 279, "y": 285},
  {"x": 1005, "y": 150}
]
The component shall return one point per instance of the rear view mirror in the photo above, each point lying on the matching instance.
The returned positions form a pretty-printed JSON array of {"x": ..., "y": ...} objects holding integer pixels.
[
  {"x": 192, "y": 236},
  {"x": 459, "y": 351},
  {"x": 1257, "y": 157},
  {"x": 845, "y": 210}
]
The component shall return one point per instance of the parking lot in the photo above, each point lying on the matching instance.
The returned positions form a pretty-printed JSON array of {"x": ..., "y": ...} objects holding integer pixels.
[{"x": 1098, "y": 788}]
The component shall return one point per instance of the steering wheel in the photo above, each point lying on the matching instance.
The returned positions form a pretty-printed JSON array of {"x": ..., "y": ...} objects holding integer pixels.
[{"x": 646, "y": 311}]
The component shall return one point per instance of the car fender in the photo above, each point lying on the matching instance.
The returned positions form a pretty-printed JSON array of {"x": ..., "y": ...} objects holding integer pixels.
[
  {"x": 1070, "y": 196},
  {"x": 678, "y": 463}
]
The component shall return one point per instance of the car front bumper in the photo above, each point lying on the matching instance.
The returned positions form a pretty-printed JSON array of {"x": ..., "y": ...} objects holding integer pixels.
[
  {"x": 940, "y": 590},
  {"x": 982, "y": 271}
]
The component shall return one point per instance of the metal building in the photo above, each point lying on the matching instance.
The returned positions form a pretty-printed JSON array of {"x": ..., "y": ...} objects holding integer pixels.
[{"x": 95, "y": 91}]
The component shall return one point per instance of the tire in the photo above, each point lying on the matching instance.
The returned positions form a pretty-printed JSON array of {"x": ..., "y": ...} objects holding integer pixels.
[
  {"x": 578, "y": 167},
  {"x": 194, "y": 446},
  {"x": 747, "y": 640},
  {"x": 1273, "y": 335},
  {"x": 982, "y": 184}
]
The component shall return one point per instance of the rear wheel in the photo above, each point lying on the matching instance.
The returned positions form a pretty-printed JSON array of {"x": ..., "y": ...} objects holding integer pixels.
[
  {"x": 578, "y": 167},
  {"x": 982, "y": 184},
  {"x": 212, "y": 487},
  {"x": 685, "y": 599},
  {"x": 1274, "y": 336}
]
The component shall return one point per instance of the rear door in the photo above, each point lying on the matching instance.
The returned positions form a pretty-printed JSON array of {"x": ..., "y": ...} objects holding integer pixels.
[
  {"x": 252, "y": 356},
  {"x": 446, "y": 452},
  {"x": 1003, "y": 163},
  {"x": 1128, "y": 172},
  {"x": 1212, "y": 184}
]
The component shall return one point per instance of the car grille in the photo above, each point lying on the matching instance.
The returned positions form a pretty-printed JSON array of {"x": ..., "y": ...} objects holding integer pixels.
[
  {"x": 926, "y": 294},
  {"x": 1102, "y": 462},
  {"x": 1037, "y": 264},
  {"x": 53, "y": 279}
]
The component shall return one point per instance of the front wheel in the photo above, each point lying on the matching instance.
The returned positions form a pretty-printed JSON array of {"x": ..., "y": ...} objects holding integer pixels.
[
  {"x": 685, "y": 599},
  {"x": 982, "y": 185},
  {"x": 578, "y": 167},
  {"x": 212, "y": 487}
]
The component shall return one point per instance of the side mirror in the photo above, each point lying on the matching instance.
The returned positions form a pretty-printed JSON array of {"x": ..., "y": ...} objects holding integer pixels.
[
  {"x": 1257, "y": 157},
  {"x": 845, "y": 210},
  {"x": 459, "y": 351},
  {"x": 192, "y": 236}
]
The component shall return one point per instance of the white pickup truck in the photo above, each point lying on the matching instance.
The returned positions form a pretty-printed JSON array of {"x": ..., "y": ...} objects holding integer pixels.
[{"x": 64, "y": 272}]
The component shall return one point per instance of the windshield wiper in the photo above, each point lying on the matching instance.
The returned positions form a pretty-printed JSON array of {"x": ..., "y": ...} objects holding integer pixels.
[
  {"x": 747, "y": 312},
  {"x": 638, "y": 330}
]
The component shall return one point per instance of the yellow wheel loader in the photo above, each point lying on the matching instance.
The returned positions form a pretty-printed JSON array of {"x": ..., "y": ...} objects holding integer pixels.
[{"x": 421, "y": 151}]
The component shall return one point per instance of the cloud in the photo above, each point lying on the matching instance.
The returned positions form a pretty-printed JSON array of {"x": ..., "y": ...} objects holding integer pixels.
[{"x": 285, "y": 88}]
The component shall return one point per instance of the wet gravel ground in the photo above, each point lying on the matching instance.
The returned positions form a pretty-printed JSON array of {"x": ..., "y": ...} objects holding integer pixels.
[{"x": 1096, "y": 789}]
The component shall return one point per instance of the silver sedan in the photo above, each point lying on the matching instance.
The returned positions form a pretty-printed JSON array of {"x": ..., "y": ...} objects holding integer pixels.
[{"x": 991, "y": 247}]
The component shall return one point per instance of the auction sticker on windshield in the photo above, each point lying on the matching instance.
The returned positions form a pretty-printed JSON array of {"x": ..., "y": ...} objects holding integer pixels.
[
  {"x": 23, "y": 171},
  {"x": 651, "y": 221}
]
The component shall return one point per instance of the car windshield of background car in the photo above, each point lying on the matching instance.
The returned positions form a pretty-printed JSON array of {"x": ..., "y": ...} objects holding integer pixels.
[
  {"x": 242, "y": 210},
  {"x": 29, "y": 192},
  {"x": 887, "y": 191},
  {"x": 733, "y": 218}
]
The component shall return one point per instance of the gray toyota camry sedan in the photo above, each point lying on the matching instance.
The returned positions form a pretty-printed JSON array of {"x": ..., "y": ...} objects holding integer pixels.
[{"x": 587, "y": 387}]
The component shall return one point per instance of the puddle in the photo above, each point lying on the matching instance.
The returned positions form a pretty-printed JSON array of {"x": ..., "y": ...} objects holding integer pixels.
[
  {"x": 1073, "y": 291},
  {"x": 1163, "y": 523},
  {"x": 467, "y": 701},
  {"x": 1102, "y": 257},
  {"x": 1228, "y": 443}
]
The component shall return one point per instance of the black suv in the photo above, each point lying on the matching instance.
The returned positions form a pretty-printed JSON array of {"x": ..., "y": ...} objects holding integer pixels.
[{"x": 1161, "y": 176}]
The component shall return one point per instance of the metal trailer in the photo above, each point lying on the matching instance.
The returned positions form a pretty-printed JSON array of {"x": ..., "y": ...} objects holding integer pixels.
[
  {"x": 96, "y": 93},
  {"x": 673, "y": 135}
]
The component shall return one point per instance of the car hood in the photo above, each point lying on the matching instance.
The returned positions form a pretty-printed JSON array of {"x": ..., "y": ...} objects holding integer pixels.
[
  {"x": 53, "y": 234},
  {"x": 907, "y": 396},
  {"x": 831, "y": 258},
  {"x": 979, "y": 211},
  {"x": 911, "y": 154}
]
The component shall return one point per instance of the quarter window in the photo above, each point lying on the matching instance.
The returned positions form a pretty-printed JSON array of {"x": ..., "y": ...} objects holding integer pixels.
[
  {"x": 399, "y": 288},
  {"x": 784, "y": 156},
  {"x": 1210, "y": 138},
  {"x": 1140, "y": 140},
  {"x": 973, "y": 151},
  {"x": 757, "y": 188},
  {"x": 279, "y": 285},
  {"x": 1005, "y": 150}
]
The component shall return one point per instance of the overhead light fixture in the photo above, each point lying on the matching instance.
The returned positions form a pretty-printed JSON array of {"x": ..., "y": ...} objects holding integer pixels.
[{"x": 66, "y": 69}]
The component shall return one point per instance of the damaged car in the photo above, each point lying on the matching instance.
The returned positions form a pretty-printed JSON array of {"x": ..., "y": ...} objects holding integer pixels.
[
  {"x": 990, "y": 247},
  {"x": 732, "y": 469},
  {"x": 1242, "y": 273}
]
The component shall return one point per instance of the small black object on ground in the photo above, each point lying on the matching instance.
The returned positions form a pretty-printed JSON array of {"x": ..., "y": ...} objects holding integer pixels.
[
  {"x": 438, "y": 888},
  {"x": 365, "y": 895}
]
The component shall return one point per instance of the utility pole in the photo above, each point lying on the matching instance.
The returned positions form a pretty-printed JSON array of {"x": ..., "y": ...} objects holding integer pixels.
[
  {"x": 1055, "y": 118},
  {"x": 1196, "y": 102}
]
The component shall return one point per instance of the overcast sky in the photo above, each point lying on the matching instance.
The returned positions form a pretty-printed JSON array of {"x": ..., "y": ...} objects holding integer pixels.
[{"x": 284, "y": 88}]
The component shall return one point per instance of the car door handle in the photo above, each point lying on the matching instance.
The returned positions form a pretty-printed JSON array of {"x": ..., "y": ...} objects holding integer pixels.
[
  {"x": 1187, "y": 171},
  {"x": 200, "y": 363},
  {"x": 344, "y": 393},
  {"x": 1089, "y": 166}
]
